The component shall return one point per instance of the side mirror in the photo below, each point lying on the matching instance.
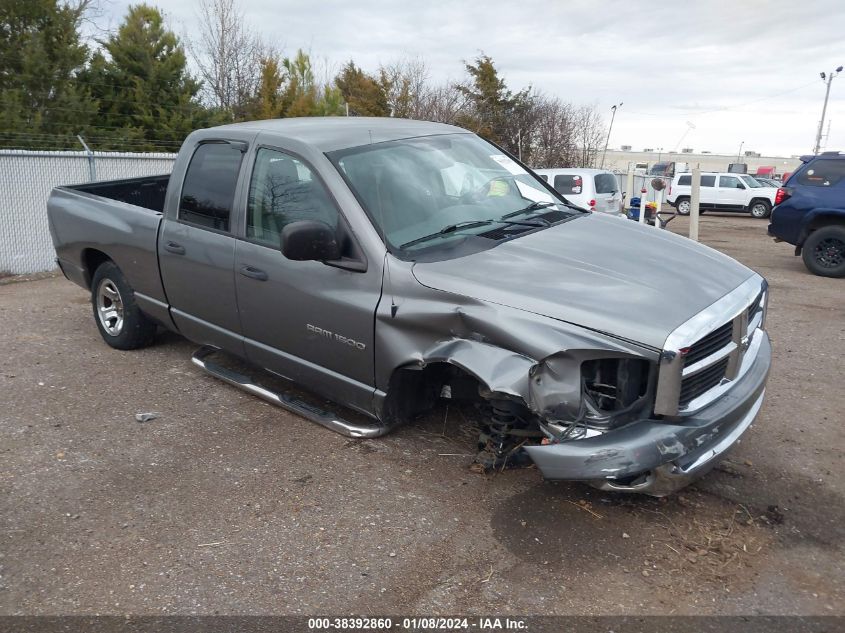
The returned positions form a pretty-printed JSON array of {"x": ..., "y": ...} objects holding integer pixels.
[
  {"x": 739, "y": 185},
  {"x": 310, "y": 240}
]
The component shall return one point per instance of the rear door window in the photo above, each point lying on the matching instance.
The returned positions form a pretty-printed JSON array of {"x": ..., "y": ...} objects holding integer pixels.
[
  {"x": 706, "y": 181},
  {"x": 208, "y": 192},
  {"x": 569, "y": 184},
  {"x": 823, "y": 173},
  {"x": 606, "y": 183}
]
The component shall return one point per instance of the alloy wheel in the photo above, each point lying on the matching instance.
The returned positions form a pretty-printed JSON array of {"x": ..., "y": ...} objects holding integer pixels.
[{"x": 110, "y": 307}]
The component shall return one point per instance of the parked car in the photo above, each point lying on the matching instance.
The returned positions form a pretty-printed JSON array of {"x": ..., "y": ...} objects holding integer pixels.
[
  {"x": 590, "y": 189},
  {"x": 723, "y": 192},
  {"x": 810, "y": 213},
  {"x": 384, "y": 264}
]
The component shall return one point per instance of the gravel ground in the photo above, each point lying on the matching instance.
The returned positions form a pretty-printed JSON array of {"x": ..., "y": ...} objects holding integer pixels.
[{"x": 225, "y": 504}]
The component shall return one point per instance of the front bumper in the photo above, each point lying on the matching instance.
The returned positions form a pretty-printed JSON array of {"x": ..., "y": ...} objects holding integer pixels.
[{"x": 657, "y": 457}]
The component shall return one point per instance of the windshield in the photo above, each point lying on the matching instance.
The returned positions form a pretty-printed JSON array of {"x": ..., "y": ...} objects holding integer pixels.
[
  {"x": 429, "y": 192},
  {"x": 748, "y": 180}
]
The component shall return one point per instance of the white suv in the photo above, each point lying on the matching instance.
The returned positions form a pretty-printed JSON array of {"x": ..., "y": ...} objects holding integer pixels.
[{"x": 723, "y": 192}]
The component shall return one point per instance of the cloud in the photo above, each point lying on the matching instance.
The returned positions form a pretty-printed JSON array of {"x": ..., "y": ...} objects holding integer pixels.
[{"x": 740, "y": 71}]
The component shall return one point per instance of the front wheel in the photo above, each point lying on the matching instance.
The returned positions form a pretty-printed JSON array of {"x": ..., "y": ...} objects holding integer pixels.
[
  {"x": 760, "y": 209},
  {"x": 119, "y": 319},
  {"x": 824, "y": 252},
  {"x": 683, "y": 206}
]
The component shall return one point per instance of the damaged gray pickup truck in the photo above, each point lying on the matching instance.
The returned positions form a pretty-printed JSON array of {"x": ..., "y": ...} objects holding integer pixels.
[{"x": 385, "y": 264}]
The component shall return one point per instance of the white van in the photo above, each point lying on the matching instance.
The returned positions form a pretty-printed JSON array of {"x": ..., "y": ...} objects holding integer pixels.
[
  {"x": 723, "y": 192},
  {"x": 591, "y": 189}
]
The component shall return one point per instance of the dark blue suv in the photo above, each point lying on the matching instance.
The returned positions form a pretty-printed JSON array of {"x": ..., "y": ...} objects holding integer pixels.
[{"x": 810, "y": 213}]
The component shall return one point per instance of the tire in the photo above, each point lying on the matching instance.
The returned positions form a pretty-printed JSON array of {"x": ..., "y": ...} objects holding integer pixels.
[
  {"x": 760, "y": 209},
  {"x": 682, "y": 205},
  {"x": 121, "y": 323},
  {"x": 824, "y": 251}
]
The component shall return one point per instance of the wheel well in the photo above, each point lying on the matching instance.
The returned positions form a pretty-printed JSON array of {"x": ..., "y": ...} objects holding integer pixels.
[
  {"x": 91, "y": 260},
  {"x": 818, "y": 222},
  {"x": 825, "y": 220},
  {"x": 414, "y": 390},
  {"x": 756, "y": 200}
]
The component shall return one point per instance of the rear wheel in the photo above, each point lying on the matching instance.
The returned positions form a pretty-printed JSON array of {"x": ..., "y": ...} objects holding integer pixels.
[
  {"x": 824, "y": 252},
  {"x": 760, "y": 209},
  {"x": 683, "y": 206},
  {"x": 121, "y": 323}
]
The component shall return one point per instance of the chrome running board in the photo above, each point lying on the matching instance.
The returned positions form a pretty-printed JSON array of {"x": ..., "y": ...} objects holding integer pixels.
[{"x": 286, "y": 401}]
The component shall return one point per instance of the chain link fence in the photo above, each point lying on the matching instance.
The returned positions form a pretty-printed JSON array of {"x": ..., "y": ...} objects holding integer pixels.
[{"x": 26, "y": 179}]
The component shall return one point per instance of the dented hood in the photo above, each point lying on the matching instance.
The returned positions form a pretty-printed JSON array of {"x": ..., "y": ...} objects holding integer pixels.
[{"x": 606, "y": 274}]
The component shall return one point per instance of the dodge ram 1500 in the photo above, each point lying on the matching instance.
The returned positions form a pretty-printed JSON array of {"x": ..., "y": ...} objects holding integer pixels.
[{"x": 386, "y": 263}]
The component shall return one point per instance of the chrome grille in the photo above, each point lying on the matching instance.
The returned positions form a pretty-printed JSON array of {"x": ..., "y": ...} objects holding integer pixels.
[
  {"x": 711, "y": 343},
  {"x": 702, "y": 356},
  {"x": 697, "y": 384}
]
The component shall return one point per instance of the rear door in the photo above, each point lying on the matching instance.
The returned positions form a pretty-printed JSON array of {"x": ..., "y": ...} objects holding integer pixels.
[
  {"x": 732, "y": 194},
  {"x": 197, "y": 248},
  {"x": 608, "y": 193}
]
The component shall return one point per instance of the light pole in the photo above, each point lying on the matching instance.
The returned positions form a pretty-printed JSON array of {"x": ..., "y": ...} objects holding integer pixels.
[
  {"x": 612, "y": 116},
  {"x": 659, "y": 153},
  {"x": 739, "y": 151},
  {"x": 829, "y": 79}
]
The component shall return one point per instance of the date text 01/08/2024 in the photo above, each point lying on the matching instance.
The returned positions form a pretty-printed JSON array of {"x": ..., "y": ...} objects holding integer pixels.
[{"x": 417, "y": 624}]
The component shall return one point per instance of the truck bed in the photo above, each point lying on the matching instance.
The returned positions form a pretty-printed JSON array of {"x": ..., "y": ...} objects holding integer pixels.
[
  {"x": 147, "y": 192},
  {"x": 116, "y": 220}
]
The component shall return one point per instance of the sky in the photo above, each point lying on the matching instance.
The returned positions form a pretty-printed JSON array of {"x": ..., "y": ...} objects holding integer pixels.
[{"x": 709, "y": 74}]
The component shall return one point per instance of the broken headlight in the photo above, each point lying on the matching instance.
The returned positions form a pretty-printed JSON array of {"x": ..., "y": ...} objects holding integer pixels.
[
  {"x": 614, "y": 390},
  {"x": 577, "y": 398}
]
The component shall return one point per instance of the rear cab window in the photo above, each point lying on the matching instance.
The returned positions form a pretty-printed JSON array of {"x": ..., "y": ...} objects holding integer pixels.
[
  {"x": 208, "y": 192},
  {"x": 824, "y": 172}
]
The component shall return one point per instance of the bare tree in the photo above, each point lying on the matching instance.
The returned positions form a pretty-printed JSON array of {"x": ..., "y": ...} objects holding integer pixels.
[
  {"x": 228, "y": 55},
  {"x": 589, "y": 134},
  {"x": 554, "y": 134},
  {"x": 405, "y": 85}
]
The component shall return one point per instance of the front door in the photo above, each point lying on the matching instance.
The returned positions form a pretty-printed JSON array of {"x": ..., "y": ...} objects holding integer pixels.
[
  {"x": 197, "y": 249},
  {"x": 731, "y": 196},
  {"x": 305, "y": 320}
]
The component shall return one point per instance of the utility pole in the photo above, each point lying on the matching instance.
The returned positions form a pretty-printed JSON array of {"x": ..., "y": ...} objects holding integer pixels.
[
  {"x": 828, "y": 79},
  {"x": 609, "y": 130},
  {"x": 739, "y": 151}
]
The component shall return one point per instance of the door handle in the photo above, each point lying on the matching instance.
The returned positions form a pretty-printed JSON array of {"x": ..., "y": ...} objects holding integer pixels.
[
  {"x": 174, "y": 247},
  {"x": 254, "y": 273}
]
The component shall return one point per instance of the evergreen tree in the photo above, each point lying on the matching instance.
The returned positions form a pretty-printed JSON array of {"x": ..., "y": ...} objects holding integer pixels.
[
  {"x": 146, "y": 95},
  {"x": 364, "y": 94},
  {"x": 496, "y": 113},
  {"x": 42, "y": 105},
  {"x": 302, "y": 96},
  {"x": 269, "y": 102}
]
